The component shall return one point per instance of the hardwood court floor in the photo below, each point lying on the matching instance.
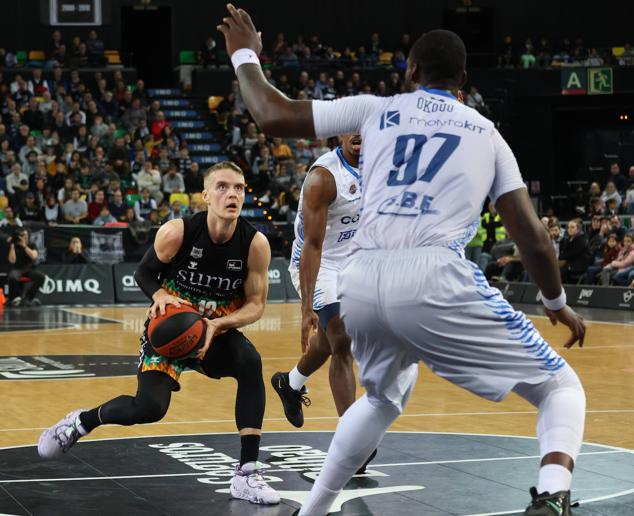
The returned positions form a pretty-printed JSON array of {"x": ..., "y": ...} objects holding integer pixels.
[{"x": 605, "y": 365}]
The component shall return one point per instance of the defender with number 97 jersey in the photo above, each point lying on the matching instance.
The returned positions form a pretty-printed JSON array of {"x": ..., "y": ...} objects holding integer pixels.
[{"x": 432, "y": 163}]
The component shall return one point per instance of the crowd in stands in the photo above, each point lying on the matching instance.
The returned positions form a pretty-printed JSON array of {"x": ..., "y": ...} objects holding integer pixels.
[
  {"x": 531, "y": 53},
  {"x": 598, "y": 251},
  {"x": 543, "y": 53},
  {"x": 61, "y": 53}
]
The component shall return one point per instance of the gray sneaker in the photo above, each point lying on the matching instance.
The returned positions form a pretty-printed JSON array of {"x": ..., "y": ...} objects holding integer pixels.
[{"x": 59, "y": 438}]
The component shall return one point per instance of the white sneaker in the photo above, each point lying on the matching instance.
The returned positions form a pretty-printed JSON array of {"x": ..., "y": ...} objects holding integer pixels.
[
  {"x": 59, "y": 438},
  {"x": 17, "y": 301},
  {"x": 248, "y": 484}
]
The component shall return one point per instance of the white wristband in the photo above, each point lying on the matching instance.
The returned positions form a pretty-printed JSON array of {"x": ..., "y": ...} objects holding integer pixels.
[
  {"x": 555, "y": 304},
  {"x": 244, "y": 56}
]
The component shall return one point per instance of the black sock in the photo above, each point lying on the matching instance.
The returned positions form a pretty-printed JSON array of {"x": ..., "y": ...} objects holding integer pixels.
[
  {"x": 90, "y": 419},
  {"x": 250, "y": 448}
]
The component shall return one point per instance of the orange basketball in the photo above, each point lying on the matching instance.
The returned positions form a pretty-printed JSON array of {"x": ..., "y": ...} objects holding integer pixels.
[{"x": 178, "y": 333}]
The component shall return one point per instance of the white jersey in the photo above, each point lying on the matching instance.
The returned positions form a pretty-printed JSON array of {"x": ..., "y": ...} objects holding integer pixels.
[
  {"x": 343, "y": 213},
  {"x": 428, "y": 163}
]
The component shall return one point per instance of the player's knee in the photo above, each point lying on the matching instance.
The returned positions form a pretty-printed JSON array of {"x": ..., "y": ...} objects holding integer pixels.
[
  {"x": 151, "y": 410},
  {"x": 340, "y": 344},
  {"x": 249, "y": 362}
]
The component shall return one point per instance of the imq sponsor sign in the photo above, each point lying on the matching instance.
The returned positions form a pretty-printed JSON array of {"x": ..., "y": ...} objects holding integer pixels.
[{"x": 76, "y": 284}]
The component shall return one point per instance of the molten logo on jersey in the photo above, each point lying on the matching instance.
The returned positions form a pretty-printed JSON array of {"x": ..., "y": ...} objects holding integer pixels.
[{"x": 390, "y": 119}]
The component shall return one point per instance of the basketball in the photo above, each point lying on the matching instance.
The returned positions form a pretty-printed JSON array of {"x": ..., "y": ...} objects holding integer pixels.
[{"x": 178, "y": 333}]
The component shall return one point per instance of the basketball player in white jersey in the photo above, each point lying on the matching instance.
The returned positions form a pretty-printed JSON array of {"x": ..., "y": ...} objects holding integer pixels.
[
  {"x": 407, "y": 293},
  {"x": 326, "y": 221}
]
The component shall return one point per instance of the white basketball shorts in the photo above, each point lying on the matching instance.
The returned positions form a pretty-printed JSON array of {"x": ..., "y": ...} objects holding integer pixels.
[
  {"x": 401, "y": 307},
  {"x": 325, "y": 287}
]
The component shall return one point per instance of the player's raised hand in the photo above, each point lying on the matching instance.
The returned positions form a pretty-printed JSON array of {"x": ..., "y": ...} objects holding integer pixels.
[
  {"x": 239, "y": 31},
  {"x": 571, "y": 319}
]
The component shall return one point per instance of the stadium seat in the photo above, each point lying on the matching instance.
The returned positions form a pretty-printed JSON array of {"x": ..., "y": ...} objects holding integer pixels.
[
  {"x": 385, "y": 58},
  {"x": 130, "y": 199},
  {"x": 37, "y": 55},
  {"x": 21, "y": 56},
  {"x": 213, "y": 102},
  {"x": 182, "y": 197},
  {"x": 187, "y": 57},
  {"x": 196, "y": 198},
  {"x": 113, "y": 57},
  {"x": 120, "y": 133},
  {"x": 618, "y": 51}
]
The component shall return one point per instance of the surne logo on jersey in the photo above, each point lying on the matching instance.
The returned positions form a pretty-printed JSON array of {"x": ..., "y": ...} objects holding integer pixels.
[{"x": 390, "y": 119}]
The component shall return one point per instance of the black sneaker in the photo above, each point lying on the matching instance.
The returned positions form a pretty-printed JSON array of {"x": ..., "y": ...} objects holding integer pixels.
[
  {"x": 362, "y": 469},
  {"x": 547, "y": 504},
  {"x": 292, "y": 400}
]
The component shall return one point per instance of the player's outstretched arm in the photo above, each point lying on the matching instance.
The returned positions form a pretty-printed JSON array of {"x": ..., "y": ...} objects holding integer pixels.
[
  {"x": 320, "y": 190},
  {"x": 538, "y": 256},
  {"x": 274, "y": 113}
]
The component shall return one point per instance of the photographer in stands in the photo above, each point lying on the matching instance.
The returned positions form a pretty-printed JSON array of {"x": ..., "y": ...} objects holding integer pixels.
[{"x": 22, "y": 257}]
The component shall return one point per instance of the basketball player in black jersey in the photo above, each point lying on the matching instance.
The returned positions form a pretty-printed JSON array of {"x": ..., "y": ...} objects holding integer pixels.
[{"x": 217, "y": 262}]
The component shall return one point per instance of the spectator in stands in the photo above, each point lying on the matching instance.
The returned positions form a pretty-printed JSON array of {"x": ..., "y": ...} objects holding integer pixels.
[
  {"x": 176, "y": 211},
  {"x": 96, "y": 205},
  {"x": 53, "y": 212},
  {"x": 263, "y": 170},
  {"x": 554, "y": 230},
  {"x": 81, "y": 59},
  {"x": 144, "y": 205},
  {"x": 75, "y": 254},
  {"x": 75, "y": 209},
  {"x": 193, "y": 179},
  {"x": 618, "y": 271},
  {"x": 134, "y": 115},
  {"x": 55, "y": 44},
  {"x": 574, "y": 253},
  {"x": 627, "y": 58},
  {"x": 527, "y": 59},
  {"x": 33, "y": 117},
  {"x": 22, "y": 259},
  {"x": 302, "y": 155},
  {"x": 475, "y": 101},
  {"x": 109, "y": 107},
  {"x": 104, "y": 217},
  {"x": 506, "y": 58},
  {"x": 288, "y": 59},
  {"x": 616, "y": 227},
  {"x": 29, "y": 146},
  {"x": 208, "y": 53},
  {"x": 130, "y": 216},
  {"x": 594, "y": 59},
  {"x": 17, "y": 185},
  {"x": 257, "y": 147},
  {"x": 30, "y": 211},
  {"x": 597, "y": 234},
  {"x": 95, "y": 50},
  {"x": 611, "y": 192},
  {"x": 173, "y": 181},
  {"x": 118, "y": 206},
  {"x": 320, "y": 148},
  {"x": 618, "y": 179},
  {"x": 611, "y": 207},
  {"x": 158, "y": 125},
  {"x": 280, "y": 150},
  {"x": 399, "y": 60},
  {"x": 544, "y": 53},
  {"x": 279, "y": 47},
  {"x": 608, "y": 253}
]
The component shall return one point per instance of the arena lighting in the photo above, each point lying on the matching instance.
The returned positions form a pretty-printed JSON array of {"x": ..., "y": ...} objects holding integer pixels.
[{"x": 624, "y": 117}]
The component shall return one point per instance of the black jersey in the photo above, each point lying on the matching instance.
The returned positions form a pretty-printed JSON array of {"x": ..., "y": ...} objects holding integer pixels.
[{"x": 211, "y": 276}]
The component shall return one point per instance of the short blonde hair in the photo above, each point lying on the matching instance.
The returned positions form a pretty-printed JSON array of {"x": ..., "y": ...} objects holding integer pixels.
[{"x": 223, "y": 165}]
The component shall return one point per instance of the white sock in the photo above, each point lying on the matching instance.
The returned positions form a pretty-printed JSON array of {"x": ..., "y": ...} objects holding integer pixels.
[
  {"x": 554, "y": 478},
  {"x": 296, "y": 379},
  {"x": 358, "y": 434}
]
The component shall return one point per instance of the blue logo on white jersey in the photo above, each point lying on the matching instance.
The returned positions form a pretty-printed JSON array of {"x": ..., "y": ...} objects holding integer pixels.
[{"x": 390, "y": 119}]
